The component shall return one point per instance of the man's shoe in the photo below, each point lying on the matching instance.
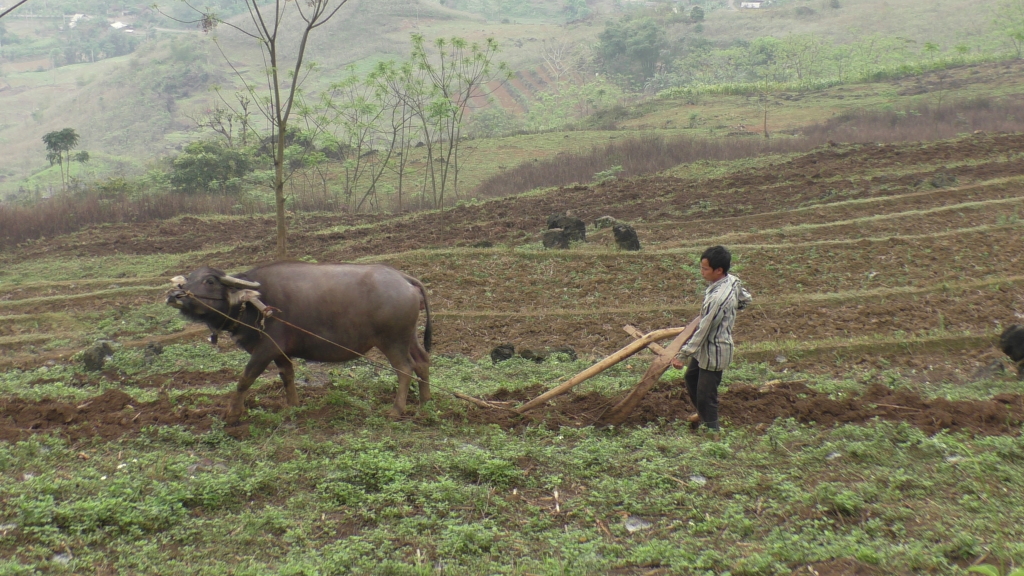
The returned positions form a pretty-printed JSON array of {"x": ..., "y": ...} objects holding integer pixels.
[{"x": 694, "y": 420}]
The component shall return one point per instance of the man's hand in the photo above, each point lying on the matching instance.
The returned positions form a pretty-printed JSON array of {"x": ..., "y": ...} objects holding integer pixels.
[{"x": 677, "y": 363}]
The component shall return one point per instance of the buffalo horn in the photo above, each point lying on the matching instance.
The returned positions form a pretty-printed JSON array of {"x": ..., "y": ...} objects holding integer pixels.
[
  {"x": 238, "y": 282},
  {"x": 178, "y": 281}
]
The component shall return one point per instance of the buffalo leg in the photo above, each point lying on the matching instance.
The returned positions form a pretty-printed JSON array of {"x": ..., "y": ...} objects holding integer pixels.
[
  {"x": 257, "y": 364},
  {"x": 400, "y": 360},
  {"x": 287, "y": 371},
  {"x": 421, "y": 365}
]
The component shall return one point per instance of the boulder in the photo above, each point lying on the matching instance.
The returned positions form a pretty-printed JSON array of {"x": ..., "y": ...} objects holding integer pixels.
[
  {"x": 536, "y": 356},
  {"x": 153, "y": 349},
  {"x": 555, "y": 238},
  {"x": 567, "y": 350},
  {"x": 625, "y": 237},
  {"x": 575, "y": 228},
  {"x": 1011, "y": 342},
  {"x": 502, "y": 353},
  {"x": 96, "y": 356}
]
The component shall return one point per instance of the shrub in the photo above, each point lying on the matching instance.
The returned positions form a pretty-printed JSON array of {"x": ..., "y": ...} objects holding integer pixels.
[{"x": 207, "y": 166}]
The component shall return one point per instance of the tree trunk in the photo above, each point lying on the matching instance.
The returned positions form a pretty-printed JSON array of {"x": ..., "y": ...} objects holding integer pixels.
[{"x": 282, "y": 225}]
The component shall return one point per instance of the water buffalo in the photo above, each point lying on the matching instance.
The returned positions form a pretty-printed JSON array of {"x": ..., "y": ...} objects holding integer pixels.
[{"x": 350, "y": 308}]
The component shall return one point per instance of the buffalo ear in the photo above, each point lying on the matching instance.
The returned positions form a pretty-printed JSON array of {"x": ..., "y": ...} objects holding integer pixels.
[{"x": 238, "y": 282}]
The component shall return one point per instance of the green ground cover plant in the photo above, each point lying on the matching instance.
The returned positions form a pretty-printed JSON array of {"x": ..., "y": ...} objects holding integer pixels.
[
  {"x": 362, "y": 494},
  {"x": 868, "y": 276}
]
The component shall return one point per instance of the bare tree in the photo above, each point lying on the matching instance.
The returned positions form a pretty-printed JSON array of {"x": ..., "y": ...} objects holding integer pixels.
[
  {"x": 765, "y": 95},
  {"x": 230, "y": 120},
  {"x": 217, "y": 119},
  {"x": 283, "y": 75},
  {"x": 559, "y": 57}
]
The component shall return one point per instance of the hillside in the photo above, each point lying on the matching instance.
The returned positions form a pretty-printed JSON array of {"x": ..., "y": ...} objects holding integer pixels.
[{"x": 132, "y": 110}]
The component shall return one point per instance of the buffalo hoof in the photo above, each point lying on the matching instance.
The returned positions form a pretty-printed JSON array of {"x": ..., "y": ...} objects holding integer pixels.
[
  {"x": 396, "y": 414},
  {"x": 232, "y": 415}
]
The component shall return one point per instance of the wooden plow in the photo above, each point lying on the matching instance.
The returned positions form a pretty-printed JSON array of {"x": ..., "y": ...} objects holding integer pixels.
[{"x": 662, "y": 360}]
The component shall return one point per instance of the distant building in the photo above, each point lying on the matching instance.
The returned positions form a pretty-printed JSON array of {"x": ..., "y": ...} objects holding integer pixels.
[
  {"x": 751, "y": 4},
  {"x": 75, "y": 19}
]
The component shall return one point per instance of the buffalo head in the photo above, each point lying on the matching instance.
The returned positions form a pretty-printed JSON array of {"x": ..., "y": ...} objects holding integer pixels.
[{"x": 208, "y": 294}]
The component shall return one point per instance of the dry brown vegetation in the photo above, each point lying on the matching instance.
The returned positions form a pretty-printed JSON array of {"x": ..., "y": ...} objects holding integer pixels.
[
  {"x": 636, "y": 156},
  {"x": 639, "y": 156}
]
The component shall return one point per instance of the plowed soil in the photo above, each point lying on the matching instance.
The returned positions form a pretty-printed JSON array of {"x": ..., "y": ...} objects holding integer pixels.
[
  {"x": 749, "y": 406},
  {"x": 821, "y": 176},
  {"x": 871, "y": 241},
  {"x": 114, "y": 413}
]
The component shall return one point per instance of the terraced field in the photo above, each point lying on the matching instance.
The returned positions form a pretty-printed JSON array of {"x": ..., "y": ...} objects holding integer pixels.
[
  {"x": 882, "y": 277},
  {"x": 849, "y": 245}
]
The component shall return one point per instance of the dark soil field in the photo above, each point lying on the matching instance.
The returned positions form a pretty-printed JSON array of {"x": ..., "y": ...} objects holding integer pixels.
[
  {"x": 114, "y": 413},
  {"x": 897, "y": 257}
]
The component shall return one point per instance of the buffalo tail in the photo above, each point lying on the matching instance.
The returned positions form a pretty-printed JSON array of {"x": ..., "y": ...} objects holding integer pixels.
[{"x": 428, "y": 330}]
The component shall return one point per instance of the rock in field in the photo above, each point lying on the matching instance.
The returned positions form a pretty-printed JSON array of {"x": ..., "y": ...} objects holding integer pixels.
[{"x": 625, "y": 237}]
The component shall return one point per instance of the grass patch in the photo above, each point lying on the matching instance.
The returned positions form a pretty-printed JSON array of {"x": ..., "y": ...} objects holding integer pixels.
[{"x": 414, "y": 497}]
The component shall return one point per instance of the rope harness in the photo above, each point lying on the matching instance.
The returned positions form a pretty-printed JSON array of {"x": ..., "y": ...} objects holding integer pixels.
[{"x": 267, "y": 313}]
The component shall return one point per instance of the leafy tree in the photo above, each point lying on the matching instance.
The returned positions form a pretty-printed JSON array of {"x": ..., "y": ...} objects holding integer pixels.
[
  {"x": 398, "y": 89},
  {"x": 632, "y": 47},
  {"x": 59, "y": 144},
  {"x": 457, "y": 73},
  {"x": 1009, "y": 18},
  {"x": 493, "y": 122},
  {"x": 962, "y": 50},
  {"x": 207, "y": 166},
  {"x": 6, "y": 37},
  {"x": 697, "y": 14},
  {"x": 353, "y": 119},
  {"x": 576, "y": 10},
  {"x": 802, "y": 55}
]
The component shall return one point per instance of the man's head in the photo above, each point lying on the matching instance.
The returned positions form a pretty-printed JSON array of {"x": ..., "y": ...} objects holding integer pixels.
[{"x": 715, "y": 263}]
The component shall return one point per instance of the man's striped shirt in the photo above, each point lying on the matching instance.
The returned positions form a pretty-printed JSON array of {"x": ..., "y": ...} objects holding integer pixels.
[{"x": 712, "y": 342}]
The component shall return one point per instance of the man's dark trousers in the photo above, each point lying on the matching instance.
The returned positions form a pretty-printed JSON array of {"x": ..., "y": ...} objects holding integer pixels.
[{"x": 702, "y": 385}]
